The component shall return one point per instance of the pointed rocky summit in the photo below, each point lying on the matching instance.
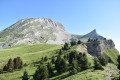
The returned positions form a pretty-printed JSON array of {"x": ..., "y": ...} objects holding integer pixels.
[{"x": 93, "y": 34}]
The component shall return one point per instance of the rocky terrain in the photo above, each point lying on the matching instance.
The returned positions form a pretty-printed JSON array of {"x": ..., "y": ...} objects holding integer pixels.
[
  {"x": 44, "y": 30},
  {"x": 96, "y": 48},
  {"x": 34, "y": 31}
]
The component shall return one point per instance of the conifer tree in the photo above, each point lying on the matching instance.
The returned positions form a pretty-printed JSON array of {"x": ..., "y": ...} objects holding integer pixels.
[
  {"x": 73, "y": 43},
  {"x": 46, "y": 58},
  {"x": 60, "y": 52},
  {"x": 57, "y": 64},
  {"x": 5, "y": 68},
  {"x": 65, "y": 57},
  {"x": 118, "y": 60},
  {"x": 50, "y": 69},
  {"x": 63, "y": 65},
  {"x": 42, "y": 60},
  {"x": 74, "y": 67},
  {"x": 97, "y": 65},
  {"x": 18, "y": 63},
  {"x": 79, "y": 42},
  {"x": 41, "y": 73},
  {"x": 53, "y": 60},
  {"x": 75, "y": 64},
  {"x": 1, "y": 71},
  {"x": 72, "y": 55},
  {"x": 102, "y": 60},
  {"x": 83, "y": 61},
  {"x": 66, "y": 46},
  {"x": 10, "y": 65},
  {"x": 85, "y": 64},
  {"x": 89, "y": 40},
  {"x": 25, "y": 75}
]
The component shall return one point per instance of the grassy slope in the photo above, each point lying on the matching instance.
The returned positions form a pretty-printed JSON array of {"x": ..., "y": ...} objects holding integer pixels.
[
  {"x": 112, "y": 54},
  {"x": 29, "y": 55},
  {"x": 32, "y": 54}
]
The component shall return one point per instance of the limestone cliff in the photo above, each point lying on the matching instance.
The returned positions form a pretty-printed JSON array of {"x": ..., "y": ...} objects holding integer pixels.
[{"x": 96, "y": 48}]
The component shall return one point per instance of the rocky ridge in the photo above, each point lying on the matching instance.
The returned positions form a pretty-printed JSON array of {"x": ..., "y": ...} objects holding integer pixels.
[
  {"x": 34, "y": 31},
  {"x": 96, "y": 48}
]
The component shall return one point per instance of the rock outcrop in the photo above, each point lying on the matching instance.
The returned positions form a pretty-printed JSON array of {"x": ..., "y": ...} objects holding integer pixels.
[{"x": 96, "y": 48}]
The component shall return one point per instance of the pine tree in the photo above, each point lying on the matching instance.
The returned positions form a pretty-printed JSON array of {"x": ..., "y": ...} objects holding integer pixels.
[
  {"x": 96, "y": 39},
  {"x": 50, "y": 69},
  {"x": 46, "y": 58},
  {"x": 60, "y": 52},
  {"x": 79, "y": 42},
  {"x": 73, "y": 43},
  {"x": 25, "y": 75},
  {"x": 85, "y": 64},
  {"x": 72, "y": 55},
  {"x": 75, "y": 64},
  {"x": 57, "y": 64},
  {"x": 74, "y": 67},
  {"x": 97, "y": 65},
  {"x": 41, "y": 73},
  {"x": 89, "y": 40},
  {"x": 63, "y": 65},
  {"x": 53, "y": 60},
  {"x": 104, "y": 38},
  {"x": 118, "y": 60},
  {"x": 10, "y": 65},
  {"x": 5, "y": 68},
  {"x": 42, "y": 60},
  {"x": 1, "y": 71},
  {"x": 66, "y": 46},
  {"x": 102, "y": 60},
  {"x": 18, "y": 63},
  {"x": 65, "y": 57}
]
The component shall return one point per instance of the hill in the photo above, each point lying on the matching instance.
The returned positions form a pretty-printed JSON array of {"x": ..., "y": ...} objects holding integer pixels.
[{"x": 32, "y": 54}]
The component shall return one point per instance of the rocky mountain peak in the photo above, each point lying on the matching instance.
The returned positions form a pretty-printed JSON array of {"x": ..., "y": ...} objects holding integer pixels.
[
  {"x": 93, "y": 34},
  {"x": 34, "y": 31},
  {"x": 94, "y": 31}
]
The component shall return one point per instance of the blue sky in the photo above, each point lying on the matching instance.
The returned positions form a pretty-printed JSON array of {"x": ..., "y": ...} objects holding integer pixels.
[{"x": 78, "y": 16}]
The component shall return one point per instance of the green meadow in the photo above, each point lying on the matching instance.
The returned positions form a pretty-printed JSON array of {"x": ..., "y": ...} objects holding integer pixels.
[{"x": 32, "y": 54}]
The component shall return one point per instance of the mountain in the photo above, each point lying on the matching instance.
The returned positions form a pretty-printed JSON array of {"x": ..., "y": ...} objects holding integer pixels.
[
  {"x": 34, "y": 31},
  {"x": 93, "y": 35}
]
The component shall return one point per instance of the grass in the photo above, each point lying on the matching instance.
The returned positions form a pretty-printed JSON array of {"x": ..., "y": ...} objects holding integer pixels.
[
  {"x": 112, "y": 54},
  {"x": 86, "y": 75},
  {"x": 30, "y": 54}
]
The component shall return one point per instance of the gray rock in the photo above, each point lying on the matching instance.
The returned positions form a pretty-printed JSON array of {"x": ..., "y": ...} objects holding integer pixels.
[
  {"x": 34, "y": 31},
  {"x": 93, "y": 35},
  {"x": 96, "y": 48}
]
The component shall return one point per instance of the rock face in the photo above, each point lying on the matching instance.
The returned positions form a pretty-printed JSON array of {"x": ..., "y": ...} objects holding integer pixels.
[
  {"x": 34, "y": 31},
  {"x": 93, "y": 35},
  {"x": 96, "y": 48}
]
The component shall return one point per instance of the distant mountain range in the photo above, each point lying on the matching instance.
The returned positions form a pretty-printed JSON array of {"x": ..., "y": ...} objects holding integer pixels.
[{"x": 40, "y": 30}]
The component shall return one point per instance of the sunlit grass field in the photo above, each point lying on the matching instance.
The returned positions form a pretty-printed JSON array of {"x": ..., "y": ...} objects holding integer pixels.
[{"x": 30, "y": 54}]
